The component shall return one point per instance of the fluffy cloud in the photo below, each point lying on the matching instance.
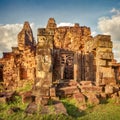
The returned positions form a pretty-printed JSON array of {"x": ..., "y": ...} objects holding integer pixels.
[
  {"x": 111, "y": 26},
  {"x": 8, "y": 36},
  {"x": 64, "y": 24},
  {"x": 94, "y": 33}
]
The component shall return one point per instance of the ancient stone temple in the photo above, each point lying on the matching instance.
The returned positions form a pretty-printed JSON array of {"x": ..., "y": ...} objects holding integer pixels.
[
  {"x": 71, "y": 53},
  {"x": 62, "y": 56},
  {"x": 68, "y": 55}
]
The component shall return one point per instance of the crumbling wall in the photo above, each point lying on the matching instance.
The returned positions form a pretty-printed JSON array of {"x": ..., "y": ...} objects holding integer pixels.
[
  {"x": 72, "y": 38},
  {"x": 101, "y": 46},
  {"x": 19, "y": 65}
]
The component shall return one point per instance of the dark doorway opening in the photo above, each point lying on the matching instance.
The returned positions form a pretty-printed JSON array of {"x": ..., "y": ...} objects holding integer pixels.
[
  {"x": 67, "y": 65},
  {"x": 23, "y": 73}
]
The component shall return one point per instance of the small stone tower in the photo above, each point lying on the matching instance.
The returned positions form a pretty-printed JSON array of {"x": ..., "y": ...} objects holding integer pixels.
[{"x": 25, "y": 37}]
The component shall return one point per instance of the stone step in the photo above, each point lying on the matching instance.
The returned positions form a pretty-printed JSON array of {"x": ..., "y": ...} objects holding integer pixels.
[
  {"x": 91, "y": 89},
  {"x": 67, "y": 91},
  {"x": 65, "y": 83}
]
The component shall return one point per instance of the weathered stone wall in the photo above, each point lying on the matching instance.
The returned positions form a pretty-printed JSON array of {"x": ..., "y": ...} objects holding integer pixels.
[
  {"x": 101, "y": 46},
  {"x": 71, "y": 38},
  {"x": 116, "y": 67}
]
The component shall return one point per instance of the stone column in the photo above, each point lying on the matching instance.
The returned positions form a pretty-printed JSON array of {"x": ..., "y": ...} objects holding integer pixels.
[
  {"x": 75, "y": 66},
  {"x": 62, "y": 71}
]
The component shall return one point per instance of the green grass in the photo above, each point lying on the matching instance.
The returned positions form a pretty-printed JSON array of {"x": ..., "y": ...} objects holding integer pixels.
[
  {"x": 26, "y": 87},
  {"x": 72, "y": 108},
  {"x": 102, "y": 112},
  {"x": 105, "y": 111},
  {"x": 4, "y": 108}
]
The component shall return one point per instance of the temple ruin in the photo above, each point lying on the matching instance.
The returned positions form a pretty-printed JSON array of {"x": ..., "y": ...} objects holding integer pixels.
[
  {"x": 18, "y": 67},
  {"x": 71, "y": 53},
  {"x": 62, "y": 56}
]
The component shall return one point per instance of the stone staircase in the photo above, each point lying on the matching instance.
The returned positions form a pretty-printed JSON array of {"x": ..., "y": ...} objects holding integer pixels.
[{"x": 66, "y": 88}]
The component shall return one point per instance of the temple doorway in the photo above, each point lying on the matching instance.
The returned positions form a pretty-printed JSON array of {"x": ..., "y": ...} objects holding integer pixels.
[
  {"x": 23, "y": 73},
  {"x": 67, "y": 66}
]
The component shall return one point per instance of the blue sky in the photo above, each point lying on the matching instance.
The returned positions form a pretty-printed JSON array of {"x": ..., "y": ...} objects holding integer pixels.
[
  {"x": 85, "y": 12},
  {"x": 97, "y": 14}
]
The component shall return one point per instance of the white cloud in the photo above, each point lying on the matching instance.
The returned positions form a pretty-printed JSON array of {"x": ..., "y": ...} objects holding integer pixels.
[
  {"x": 111, "y": 26},
  {"x": 114, "y": 10},
  {"x": 64, "y": 24},
  {"x": 94, "y": 33},
  {"x": 8, "y": 36}
]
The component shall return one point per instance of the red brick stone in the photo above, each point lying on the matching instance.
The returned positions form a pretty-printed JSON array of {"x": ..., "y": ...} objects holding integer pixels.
[
  {"x": 109, "y": 89},
  {"x": 79, "y": 97},
  {"x": 52, "y": 92},
  {"x": 95, "y": 89},
  {"x": 27, "y": 97},
  {"x": 93, "y": 99},
  {"x": 86, "y": 83},
  {"x": 69, "y": 90}
]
